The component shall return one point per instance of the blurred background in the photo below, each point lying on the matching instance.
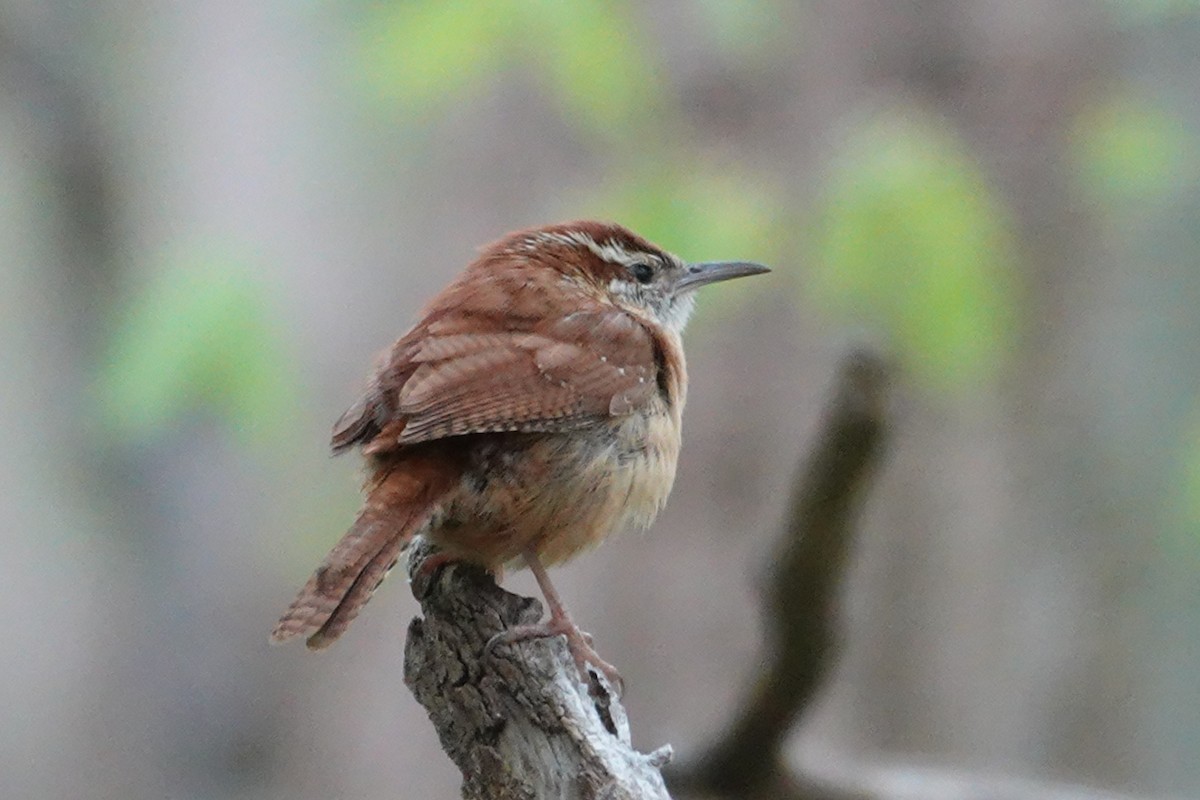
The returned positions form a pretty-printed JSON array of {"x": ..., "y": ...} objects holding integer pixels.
[{"x": 213, "y": 215}]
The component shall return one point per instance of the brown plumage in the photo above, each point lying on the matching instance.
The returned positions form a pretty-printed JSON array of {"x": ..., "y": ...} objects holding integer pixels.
[
  {"x": 399, "y": 500},
  {"x": 534, "y": 409}
]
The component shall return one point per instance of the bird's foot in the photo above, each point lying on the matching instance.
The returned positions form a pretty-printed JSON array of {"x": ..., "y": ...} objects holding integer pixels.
[{"x": 579, "y": 644}]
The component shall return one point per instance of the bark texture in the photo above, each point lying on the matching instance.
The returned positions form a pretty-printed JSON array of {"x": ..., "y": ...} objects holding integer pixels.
[{"x": 517, "y": 722}]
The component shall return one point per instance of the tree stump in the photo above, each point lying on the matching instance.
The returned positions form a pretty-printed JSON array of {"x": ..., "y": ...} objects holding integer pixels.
[{"x": 518, "y": 722}]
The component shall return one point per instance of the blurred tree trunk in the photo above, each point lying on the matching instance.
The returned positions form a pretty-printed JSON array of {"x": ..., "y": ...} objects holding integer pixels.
[{"x": 985, "y": 593}]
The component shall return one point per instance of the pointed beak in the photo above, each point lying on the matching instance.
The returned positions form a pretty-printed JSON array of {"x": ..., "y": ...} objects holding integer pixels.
[{"x": 706, "y": 272}]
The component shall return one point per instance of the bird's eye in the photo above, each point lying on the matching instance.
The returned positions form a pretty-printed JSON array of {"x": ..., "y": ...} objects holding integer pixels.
[{"x": 642, "y": 273}]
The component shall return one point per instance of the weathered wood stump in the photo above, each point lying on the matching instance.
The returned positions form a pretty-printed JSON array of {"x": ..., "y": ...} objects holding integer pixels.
[{"x": 518, "y": 722}]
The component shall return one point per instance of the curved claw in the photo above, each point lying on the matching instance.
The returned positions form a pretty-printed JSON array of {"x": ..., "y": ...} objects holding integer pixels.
[{"x": 489, "y": 649}]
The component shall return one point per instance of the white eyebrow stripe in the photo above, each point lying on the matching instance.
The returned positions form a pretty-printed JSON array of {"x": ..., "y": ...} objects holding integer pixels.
[{"x": 610, "y": 250}]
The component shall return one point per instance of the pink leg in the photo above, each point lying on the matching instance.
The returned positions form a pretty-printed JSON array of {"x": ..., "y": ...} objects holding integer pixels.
[{"x": 559, "y": 624}]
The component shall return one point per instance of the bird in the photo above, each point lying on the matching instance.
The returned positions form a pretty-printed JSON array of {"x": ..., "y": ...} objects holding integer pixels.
[{"x": 533, "y": 410}]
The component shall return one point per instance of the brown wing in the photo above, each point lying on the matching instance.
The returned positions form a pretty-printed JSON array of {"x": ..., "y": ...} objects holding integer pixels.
[{"x": 463, "y": 374}]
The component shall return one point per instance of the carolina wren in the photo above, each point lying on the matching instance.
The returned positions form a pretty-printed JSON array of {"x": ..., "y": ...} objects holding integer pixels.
[{"x": 532, "y": 411}]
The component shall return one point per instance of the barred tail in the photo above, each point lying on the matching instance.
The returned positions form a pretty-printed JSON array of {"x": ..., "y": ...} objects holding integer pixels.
[{"x": 397, "y": 506}]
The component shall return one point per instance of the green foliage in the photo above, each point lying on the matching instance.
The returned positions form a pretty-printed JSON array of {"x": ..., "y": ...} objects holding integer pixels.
[
  {"x": 428, "y": 54},
  {"x": 1128, "y": 150},
  {"x": 913, "y": 240},
  {"x": 199, "y": 337},
  {"x": 595, "y": 60}
]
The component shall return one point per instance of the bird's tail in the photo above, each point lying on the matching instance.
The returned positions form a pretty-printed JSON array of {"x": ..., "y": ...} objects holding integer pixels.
[{"x": 398, "y": 504}]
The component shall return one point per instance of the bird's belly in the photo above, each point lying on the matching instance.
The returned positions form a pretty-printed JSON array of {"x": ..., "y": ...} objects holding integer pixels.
[{"x": 561, "y": 493}]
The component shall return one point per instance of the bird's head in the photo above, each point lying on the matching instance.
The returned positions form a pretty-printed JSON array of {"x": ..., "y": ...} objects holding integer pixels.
[{"x": 623, "y": 268}]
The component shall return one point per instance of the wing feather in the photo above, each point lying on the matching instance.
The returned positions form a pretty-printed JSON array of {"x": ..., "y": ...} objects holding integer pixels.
[{"x": 441, "y": 381}]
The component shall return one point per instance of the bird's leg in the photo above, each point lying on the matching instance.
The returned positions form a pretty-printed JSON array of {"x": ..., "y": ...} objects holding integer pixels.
[{"x": 559, "y": 624}]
